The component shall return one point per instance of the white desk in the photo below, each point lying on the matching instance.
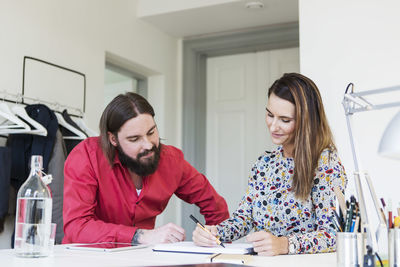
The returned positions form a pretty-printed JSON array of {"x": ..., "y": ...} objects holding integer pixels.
[{"x": 146, "y": 257}]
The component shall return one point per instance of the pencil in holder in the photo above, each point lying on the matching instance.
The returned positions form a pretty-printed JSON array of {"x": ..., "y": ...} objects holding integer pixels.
[
  {"x": 350, "y": 249},
  {"x": 394, "y": 247}
]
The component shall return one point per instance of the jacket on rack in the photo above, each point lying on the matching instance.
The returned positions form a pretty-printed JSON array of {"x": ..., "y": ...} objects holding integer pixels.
[
  {"x": 23, "y": 146},
  {"x": 70, "y": 144},
  {"x": 56, "y": 169}
]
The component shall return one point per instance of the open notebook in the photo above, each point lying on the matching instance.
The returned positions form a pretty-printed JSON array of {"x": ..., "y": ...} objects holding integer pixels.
[{"x": 190, "y": 247}]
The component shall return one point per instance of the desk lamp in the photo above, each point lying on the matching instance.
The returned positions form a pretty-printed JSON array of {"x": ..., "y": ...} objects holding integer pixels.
[
  {"x": 390, "y": 142},
  {"x": 389, "y": 147}
]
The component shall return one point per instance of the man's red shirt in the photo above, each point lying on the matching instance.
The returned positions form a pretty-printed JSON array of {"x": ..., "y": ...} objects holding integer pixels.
[{"x": 101, "y": 203}]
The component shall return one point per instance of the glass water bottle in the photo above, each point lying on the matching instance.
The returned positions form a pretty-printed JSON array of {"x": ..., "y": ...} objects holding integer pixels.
[{"x": 33, "y": 217}]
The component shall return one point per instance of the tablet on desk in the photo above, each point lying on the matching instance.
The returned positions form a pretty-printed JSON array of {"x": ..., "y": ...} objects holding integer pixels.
[{"x": 105, "y": 246}]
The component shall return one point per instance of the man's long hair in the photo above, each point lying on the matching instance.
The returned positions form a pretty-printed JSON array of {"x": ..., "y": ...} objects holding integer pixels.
[
  {"x": 312, "y": 133},
  {"x": 121, "y": 109}
]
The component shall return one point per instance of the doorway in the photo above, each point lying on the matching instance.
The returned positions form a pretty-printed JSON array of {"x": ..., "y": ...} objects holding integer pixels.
[
  {"x": 236, "y": 132},
  {"x": 195, "y": 54},
  {"x": 118, "y": 80}
]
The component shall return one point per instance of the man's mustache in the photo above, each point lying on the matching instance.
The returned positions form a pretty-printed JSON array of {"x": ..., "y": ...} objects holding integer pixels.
[{"x": 146, "y": 152}]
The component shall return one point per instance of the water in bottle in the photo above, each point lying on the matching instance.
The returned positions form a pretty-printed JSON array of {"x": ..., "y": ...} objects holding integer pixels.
[{"x": 33, "y": 217}]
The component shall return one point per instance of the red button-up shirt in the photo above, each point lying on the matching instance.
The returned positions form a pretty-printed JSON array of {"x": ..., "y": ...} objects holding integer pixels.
[{"x": 101, "y": 203}]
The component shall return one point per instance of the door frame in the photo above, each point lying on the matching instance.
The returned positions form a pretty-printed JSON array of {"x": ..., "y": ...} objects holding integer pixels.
[{"x": 195, "y": 53}]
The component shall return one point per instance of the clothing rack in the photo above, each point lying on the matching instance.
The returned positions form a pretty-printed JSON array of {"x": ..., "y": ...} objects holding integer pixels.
[{"x": 55, "y": 106}]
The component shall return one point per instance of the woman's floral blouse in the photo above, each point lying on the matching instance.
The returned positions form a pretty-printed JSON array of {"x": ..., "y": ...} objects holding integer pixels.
[{"x": 270, "y": 204}]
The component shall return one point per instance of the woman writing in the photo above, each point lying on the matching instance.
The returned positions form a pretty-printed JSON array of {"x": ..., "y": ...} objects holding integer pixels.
[{"x": 290, "y": 190}]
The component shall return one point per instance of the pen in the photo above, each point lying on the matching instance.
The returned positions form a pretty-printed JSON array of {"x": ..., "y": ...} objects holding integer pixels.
[
  {"x": 340, "y": 198},
  {"x": 205, "y": 229},
  {"x": 339, "y": 222},
  {"x": 384, "y": 211},
  {"x": 383, "y": 203},
  {"x": 335, "y": 224},
  {"x": 350, "y": 214},
  {"x": 390, "y": 215},
  {"x": 353, "y": 224},
  {"x": 383, "y": 215},
  {"x": 396, "y": 222},
  {"x": 357, "y": 223}
]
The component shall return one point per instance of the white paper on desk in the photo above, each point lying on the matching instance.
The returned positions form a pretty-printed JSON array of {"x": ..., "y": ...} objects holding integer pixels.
[{"x": 190, "y": 247}]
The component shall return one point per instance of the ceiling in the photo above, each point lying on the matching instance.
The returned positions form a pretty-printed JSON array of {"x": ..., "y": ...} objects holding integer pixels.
[{"x": 222, "y": 17}]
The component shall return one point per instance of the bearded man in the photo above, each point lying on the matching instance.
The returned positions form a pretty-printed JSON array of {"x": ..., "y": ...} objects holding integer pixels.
[{"x": 117, "y": 183}]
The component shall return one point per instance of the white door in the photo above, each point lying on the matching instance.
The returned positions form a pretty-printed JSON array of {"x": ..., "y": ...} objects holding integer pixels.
[{"x": 237, "y": 88}]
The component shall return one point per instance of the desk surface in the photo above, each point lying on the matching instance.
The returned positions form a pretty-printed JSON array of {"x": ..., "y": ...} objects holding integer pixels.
[{"x": 146, "y": 257}]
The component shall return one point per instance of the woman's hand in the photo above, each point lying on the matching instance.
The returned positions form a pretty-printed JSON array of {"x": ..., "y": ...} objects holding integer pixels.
[
  {"x": 203, "y": 238},
  {"x": 266, "y": 244}
]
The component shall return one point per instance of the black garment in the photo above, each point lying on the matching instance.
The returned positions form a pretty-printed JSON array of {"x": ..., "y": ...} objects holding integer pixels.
[
  {"x": 23, "y": 146},
  {"x": 70, "y": 144},
  {"x": 56, "y": 169},
  {"x": 5, "y": 169}
]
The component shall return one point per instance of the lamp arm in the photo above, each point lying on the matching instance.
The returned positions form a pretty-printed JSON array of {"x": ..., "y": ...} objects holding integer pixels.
[
  {"x": 371, "y": 239},
  {"x": 353, "y": 148}
]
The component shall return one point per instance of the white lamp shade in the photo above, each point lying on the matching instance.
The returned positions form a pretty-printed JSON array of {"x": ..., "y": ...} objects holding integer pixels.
[{"x": 390, "y": 141}]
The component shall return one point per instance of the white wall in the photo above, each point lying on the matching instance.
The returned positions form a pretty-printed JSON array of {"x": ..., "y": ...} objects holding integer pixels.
[
  {"x": 111, "y": 90},
  {"x": 76, "y": 34},
  {"x": 355, "y": 41}
]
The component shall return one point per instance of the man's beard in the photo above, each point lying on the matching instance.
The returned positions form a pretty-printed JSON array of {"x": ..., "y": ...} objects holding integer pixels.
[{"x": 145, "y": 168}]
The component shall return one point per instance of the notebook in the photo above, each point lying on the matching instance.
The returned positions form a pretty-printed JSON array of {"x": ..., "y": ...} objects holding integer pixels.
[{"x": 190, "y": 247}]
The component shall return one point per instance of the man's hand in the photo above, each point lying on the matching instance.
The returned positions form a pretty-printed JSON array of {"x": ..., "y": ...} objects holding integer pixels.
[
  {"x": 266, "y": 244},
  {"x": 168, "y": 233},
  {"x": 203, "y": 238}
]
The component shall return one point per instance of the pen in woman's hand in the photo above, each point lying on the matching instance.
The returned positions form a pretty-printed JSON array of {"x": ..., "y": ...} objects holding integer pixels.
[{"x": 205, "y": 229}]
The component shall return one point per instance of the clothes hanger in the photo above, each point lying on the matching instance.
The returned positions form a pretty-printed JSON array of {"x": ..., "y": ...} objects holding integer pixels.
[
  {"x": 11, "y": 120},
  {"x": 36, "y": 128},
  {"x": 78, "y": 134},
  {"x": 81, "y": 123}
]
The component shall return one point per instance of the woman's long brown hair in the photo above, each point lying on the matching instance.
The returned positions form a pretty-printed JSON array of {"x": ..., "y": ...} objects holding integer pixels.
[{"x": 312, "y": 133}]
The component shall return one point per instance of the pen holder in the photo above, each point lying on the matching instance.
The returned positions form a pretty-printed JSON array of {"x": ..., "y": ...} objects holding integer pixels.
[
  {"x": 350, "y": 249},
  {"x": 394, "y": 247}
]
